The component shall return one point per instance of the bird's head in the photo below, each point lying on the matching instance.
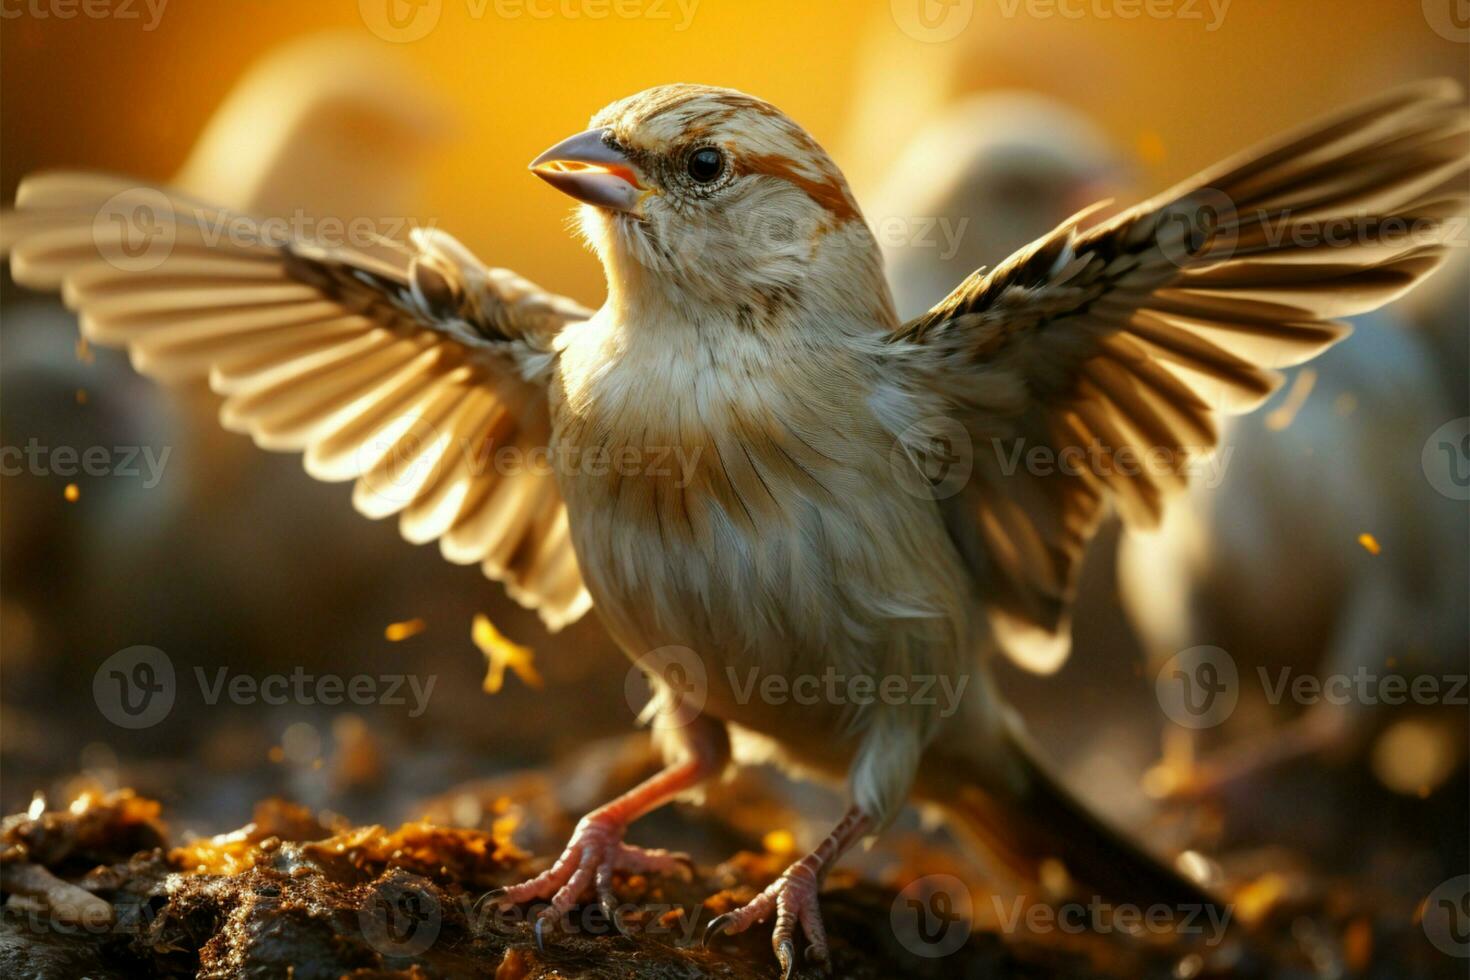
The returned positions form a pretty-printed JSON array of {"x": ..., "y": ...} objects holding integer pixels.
[{"x": 711, "y": 201}]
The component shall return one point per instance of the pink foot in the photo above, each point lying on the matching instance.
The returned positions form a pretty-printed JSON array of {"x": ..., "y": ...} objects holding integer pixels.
[
  {"x": 595, "y": 852},
  {"x": 793, "y": 899}
]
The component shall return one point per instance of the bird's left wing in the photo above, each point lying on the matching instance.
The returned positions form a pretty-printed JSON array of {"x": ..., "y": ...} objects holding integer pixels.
[
  {"x": 1089, "y": 366},
  {"x": 413, "y": 369}
]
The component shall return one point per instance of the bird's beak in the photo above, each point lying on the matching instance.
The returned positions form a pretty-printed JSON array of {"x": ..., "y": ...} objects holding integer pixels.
[{"x": 586, "y": 167}]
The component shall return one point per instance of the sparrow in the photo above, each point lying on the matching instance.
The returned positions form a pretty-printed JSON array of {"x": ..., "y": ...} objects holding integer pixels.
[
  {"x": 851, "y": 508},
  {"x": 1231, "y": 558},
  {"x": 986, "y": 175}
]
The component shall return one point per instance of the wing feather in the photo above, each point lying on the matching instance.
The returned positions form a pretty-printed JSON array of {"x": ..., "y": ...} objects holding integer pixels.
[
  {"x": 402, "y": 367},
  {"x": 1115, "y": 346}
]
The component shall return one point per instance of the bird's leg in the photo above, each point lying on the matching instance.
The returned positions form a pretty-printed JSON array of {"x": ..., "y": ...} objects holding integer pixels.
[
  {"x": 597, "y": 851},
  {"x": 793, "y": 898},
  {"x": 1317, "y": 732}
]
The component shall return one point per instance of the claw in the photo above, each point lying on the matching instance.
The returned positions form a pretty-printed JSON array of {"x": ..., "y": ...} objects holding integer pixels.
[
  {"x": 716, "y": 927},
  {"x": 540, "y": 938},
  {"x": 612, "y": 914},
  {"x": 786, "y": 956},
  {"x": 492, "y": 896},
  {"x": 691, "y": 871},
  {"x": 817, "y": 956},
  {"x": 586, "y": 869}
]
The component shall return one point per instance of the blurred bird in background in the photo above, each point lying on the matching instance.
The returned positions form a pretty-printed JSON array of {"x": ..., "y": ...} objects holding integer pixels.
[
  {"x": 324, "y": 133},
  {"x": 1322, "y": 552},
  {"x": 984, "y": 177},
  {"x": 994, "y": 171},
  {"x": 1422, "y": 339}
]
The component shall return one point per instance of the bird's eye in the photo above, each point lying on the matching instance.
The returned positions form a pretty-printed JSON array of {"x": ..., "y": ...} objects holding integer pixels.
[{"x": 706, "y": 164}]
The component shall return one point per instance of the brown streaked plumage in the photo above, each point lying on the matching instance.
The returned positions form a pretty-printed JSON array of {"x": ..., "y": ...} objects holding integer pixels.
[{"x": 748, "y": 330}]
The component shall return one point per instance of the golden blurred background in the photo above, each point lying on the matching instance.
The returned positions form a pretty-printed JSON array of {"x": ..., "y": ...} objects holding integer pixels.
[{"x": 1179, "y": 91}]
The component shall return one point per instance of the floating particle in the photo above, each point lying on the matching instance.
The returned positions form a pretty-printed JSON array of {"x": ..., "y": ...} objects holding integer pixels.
[
  {"x": 1150, "y": 148},
  {"x": 396, "y": 632},
  {"x": 1284, "y": 414},
  {"x": 501, "y": 653},
  {"x": 779, "y": 842}
]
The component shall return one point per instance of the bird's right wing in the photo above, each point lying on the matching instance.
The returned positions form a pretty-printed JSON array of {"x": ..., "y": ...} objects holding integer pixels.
[
  {"x": 415, "y": 370},
  {"x": 1109, "y": 351}
]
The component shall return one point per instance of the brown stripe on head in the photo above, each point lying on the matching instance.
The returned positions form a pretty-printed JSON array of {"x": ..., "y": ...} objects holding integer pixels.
[
  {"x": 665, "y": 123},
  {"x": 828, "y": 190}
]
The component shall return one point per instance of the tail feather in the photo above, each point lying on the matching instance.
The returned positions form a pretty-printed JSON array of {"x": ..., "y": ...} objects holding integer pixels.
[{"x": 1028, "y": 817}]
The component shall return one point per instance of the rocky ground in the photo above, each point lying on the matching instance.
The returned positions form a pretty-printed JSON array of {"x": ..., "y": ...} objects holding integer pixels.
[{"x": 99, "y": 888}]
